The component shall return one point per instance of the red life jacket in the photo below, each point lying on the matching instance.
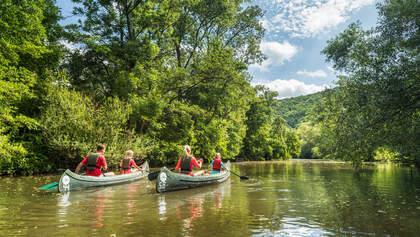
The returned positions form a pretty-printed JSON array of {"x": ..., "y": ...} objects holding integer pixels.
[{"x": 217, "y": 164}]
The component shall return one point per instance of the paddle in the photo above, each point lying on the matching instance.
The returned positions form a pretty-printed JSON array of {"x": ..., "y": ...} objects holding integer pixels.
[
  {"x": 242, "y": 177},
  {"x": 49, "y": 186}
]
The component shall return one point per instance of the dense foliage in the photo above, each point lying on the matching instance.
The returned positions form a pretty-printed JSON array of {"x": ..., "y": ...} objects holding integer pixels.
[
  {"x": 26, "y": 51},
  {"x": 296, "y": 110},
  {"x": 144, "y": 75},
  {"x": 267, "y": 135},
  {"x": 377, "y": 105}
]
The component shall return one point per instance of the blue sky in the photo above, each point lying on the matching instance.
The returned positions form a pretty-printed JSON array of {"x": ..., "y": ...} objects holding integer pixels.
[{"x": 296, "y": 32}]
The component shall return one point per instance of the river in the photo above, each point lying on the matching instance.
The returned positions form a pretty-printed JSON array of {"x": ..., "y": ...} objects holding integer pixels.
[{"x": 289, "y": 198}]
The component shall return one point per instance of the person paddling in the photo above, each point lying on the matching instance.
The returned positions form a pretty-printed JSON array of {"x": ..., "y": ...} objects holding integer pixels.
[
  {"x": 217, "y": 164},
  {"x": 94, "y": 162},
  {"x": 127, "y": 163},
  {"x": 187, "y": 162}
]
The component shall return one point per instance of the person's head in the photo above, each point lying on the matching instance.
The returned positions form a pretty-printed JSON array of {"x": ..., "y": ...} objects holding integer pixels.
[
  {"x": 218, "y": 155},
  {"x": 187, "y": 151},
  {"x": 100, "y": 148},
  {"x": 129, "y": 154}
]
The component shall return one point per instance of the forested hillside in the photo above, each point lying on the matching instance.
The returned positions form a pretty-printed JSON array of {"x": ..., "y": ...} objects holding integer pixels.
[{"x": 295, "y": 110}]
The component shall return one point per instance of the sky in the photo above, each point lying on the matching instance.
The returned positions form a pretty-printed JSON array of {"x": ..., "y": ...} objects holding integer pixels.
[{"x": 296, "y": 31}]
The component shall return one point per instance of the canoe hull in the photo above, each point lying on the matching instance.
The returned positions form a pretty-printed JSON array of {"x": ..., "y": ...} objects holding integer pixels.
[
  {"x": 71, "y": 181},
  {"x": 169, "y": 181}
]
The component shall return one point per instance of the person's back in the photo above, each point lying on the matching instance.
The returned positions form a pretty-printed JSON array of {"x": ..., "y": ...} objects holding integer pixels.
[
  {"x": 125, "y": 166},
  {"x": 94, "y": 162},
  {"x": 127, "y": 163},
  {"x": 187, "y": 162},
  {"x": 217, "y": 164},
  {"x": 93, "y": 167}
]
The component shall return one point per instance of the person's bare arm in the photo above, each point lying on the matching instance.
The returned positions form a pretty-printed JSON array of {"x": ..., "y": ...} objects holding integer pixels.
[
  {"x": 178, "y": 165},
  {"x": 79, "y": 166},
  {"x": 200, "y": 162},
  {"x": 136, "y": 166},
  {"x": 105, "y": 166}
]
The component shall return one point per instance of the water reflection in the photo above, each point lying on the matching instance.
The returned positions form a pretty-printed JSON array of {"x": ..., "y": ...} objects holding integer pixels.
[
  {"x": 218, "y": 197},
  {"x": 131, "y": 203},
  {"x": 194, "y": 209},
  {"x": 63, "y": 204},
  {"x": 93, "y": 202},
  {"x": 162, "y": 207},
  {"x": 295, "y": 198},
  {"x": 191, "y": 208},
  {"x": 99, "y": 203}
]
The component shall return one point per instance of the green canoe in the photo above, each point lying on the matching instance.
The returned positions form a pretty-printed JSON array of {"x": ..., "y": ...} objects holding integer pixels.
[
  {"x": 170, "y": 181},
  {"x": 72, "y": 181}
]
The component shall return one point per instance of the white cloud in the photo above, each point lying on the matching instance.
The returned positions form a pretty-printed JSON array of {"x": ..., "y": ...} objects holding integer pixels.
[
  {"x": 266, "y": 24},
  {"x": 69, "y": 45},
  {"x": 331, "y": 68},
  {"x": 317, "y": 73},
  {"x": 277, "y": 53},
  {"x": 310, "y": 18},
  {"x": 290, "y": 88}
]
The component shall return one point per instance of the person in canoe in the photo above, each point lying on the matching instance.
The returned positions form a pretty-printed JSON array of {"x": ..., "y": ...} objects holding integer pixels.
[
  {"x": 217, "y": 164},
  {"x": 94, "y": 162},
  {"x": 187, "y": 162},
  {"x": 127, "y": 163}
]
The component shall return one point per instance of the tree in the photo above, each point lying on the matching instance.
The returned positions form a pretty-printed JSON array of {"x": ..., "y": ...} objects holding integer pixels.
[
  {"x": 25, "y": 53},
  {"x": 267, "y": 135},
  {"x": 378, "y": 100},
  {"x": 117, "y": 37},
  {"x": 256, "y": 142},
  {"x": 170, "y": 59}
]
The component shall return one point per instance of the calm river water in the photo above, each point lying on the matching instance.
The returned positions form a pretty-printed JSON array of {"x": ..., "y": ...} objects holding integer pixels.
[{"x": 292, "y": 198}]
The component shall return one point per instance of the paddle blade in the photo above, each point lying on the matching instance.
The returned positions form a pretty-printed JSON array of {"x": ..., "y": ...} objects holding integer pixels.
[
  {"x": 244, "y": 177},
  {"x": 153, "y": 176},
  {"x": 49, "y": 186}
]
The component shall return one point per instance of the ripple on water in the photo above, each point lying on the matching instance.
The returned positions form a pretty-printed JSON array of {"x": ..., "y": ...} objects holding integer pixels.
[
  {"x": 300, "y": 203},
  {"x": 288, "y": 226},
  {"x": 255, "y": 184},
  {"x": 251, "y": 190}
]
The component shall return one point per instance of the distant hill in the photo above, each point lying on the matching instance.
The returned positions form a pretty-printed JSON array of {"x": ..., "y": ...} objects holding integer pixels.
[{"x": 294, "y": 110}]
